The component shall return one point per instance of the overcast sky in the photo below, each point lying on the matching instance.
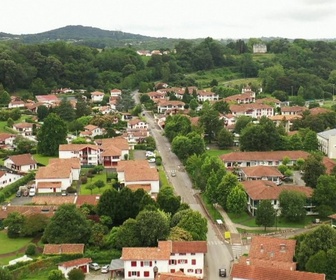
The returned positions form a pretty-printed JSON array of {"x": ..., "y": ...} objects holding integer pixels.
[{"x": 308, "y": 19}]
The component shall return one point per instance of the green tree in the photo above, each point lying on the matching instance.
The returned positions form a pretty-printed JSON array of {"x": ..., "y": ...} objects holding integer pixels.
[
  {"x": 68, "y": 225},
  {"x": 224, "y": 139},
  {"x": 31, "y": 249},
  {"x": 42, "y": 112},
  {"x": 126, "y": 235},
  {"x": 194, "y": 223},
  {"x": 237, "y": 200},
  {"x": 100, "y": 184},
  {"x": 211, "y": 187},
  {"x": 227, "y": 184},
  {"x": 4, "y": 97},
  {"x": 292, "y": 205},
  {"x": 313, "y": 168},
  {"x": 14, "y": 223},
  {"x": 241, "y": 123},
  {"x": 82, "y": 108},
  {"x": 90, "y": 187},
  {"x": 167, "y": 200},
  {"x": 55, "y": 274},
  {"x": 10, "y": 122},
  {"x": 317, "y": 263},
  {"x": 34, "y": 224},
  {"x": 66, "y": 111},
  {"x": 266, "y": 214},
  {"x": 5, "y": 274},
  {"x": 310, "y": 142},
  {"x": 177, "y": 125},
  {"x": 325, "y": 193},
  {"x": 98, "y": 232},
  {"x": 24, "y": 145},
  {"x": 210, "y": 121},
  {"x": 179, "y": 234},
  {"x": 76, "y": 274},
  {"x": 52, "y": 133},
  {"x": 152, "y": 226}
]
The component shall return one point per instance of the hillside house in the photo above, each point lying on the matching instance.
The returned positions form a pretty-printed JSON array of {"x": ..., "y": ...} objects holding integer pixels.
[
  {"x": 170, "y": 105},
  {"x": 327, "y": 142},
  {"x": 82, "y": 264},
  {"x": 7, "y": 178},
  {"x": 21, "y": 163},
  {"x": 97, "y": 96},
  {"x": 87, "y": 153},
  {"x": 115, "y": 92}
]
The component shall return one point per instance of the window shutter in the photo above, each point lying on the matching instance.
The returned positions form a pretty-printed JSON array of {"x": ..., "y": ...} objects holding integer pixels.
[
  {"x": 141, "y": 263},
  {"x": 150, "y": 263},
  {"x": 138, "y": 273},
  {"x": 129, "y": 274}
]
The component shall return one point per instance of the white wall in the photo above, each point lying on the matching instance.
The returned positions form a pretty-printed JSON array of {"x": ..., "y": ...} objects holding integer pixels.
[
  {"x": 188, "y": 267},
  {"x": 162, "y": 266},
  {"x": 8, "y": 178}
]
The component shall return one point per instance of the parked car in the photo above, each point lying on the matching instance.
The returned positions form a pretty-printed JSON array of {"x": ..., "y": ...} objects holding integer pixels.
[
  {"x": 32, "y": 192},
  {"x": 105, "y": 269},
  {"x": 150, "y": 154},
  {"x": 94, "y": 266},
  {"x": 173, "y": 173},
  {"x": 18, "y": 194},
  {"x": 222, "y": 272},
  {"x": 151, "y": 160}
]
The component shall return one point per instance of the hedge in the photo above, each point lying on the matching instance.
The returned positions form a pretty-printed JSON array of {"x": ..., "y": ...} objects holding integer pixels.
[{"x": 11, "y": 189}]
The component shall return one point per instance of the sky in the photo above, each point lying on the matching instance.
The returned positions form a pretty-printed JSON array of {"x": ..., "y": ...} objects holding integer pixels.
[{"x": 187, "y": 19}]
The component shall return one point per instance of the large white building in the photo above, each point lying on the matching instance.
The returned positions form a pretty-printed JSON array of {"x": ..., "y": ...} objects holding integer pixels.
[
  {"x": 327, "y": 142},
  {"x": 169, "y": 256}
]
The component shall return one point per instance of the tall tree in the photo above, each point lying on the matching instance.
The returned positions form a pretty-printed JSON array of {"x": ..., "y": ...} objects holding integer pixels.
[
  {"x": 237, "y": 200},
  {"x": 14, "y": 223},
  {"x": 193, "y": 222},
  {"x": 42, "y": 112},
  {"x": 68, "y": 225},
  {"x": 210, "y": 122},
  {"x": 325, "y": 194},
  {"x": 292, "y": 205},
  {"x": 228, "y": 182},
  {"x": 52, "y": 133},
  {"x": 65, "y": 110},
  {"x": 266, "y": 214},
  {"x": 225, "y": 139},
  {"x": 313, "y": 168}
]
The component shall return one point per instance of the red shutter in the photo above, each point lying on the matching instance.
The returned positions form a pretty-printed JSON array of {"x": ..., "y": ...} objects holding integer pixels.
[
  {"x": 138, "y": 273},
  {"x": 141, "y": 263},
  {"x": 129, "y": 274},
  {"x": 193, "y": 261},
  {"x": 150, "y": 263}
]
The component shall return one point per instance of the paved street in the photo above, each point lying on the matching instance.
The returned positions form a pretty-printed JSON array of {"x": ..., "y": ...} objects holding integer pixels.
[{"x": 219, "y": 253}]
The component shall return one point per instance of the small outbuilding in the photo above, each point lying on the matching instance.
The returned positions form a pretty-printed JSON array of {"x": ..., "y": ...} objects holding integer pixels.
[{"x": 82, "y": 264}]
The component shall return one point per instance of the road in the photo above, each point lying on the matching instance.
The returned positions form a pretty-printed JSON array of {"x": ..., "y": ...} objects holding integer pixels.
[{"x": 219, "y": 253}]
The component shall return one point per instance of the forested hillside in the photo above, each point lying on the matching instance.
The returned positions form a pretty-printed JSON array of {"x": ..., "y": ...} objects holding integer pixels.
[{"x": 298, "y": 68}]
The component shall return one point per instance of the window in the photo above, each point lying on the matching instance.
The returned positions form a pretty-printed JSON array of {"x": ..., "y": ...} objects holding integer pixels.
[
  {"x": 182, "y": 254},
  {"x": 190, "y": 270},
  {"x": 133, "y": 263},
  {"x": 193, "y": 261},
  {"x": 182, "y": 261},
  {"x": 173, "y": 262},
  {"x": 193, "y": 254},
  {"x": 146, "y": 273},
  {"x": 146, "y": 263},
  {"x": 172, "y": 270},
  {"x": 198, "y": 271}
]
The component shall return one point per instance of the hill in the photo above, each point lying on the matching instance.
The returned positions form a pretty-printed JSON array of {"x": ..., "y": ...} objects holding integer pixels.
[{"x": 92, "y": 36}]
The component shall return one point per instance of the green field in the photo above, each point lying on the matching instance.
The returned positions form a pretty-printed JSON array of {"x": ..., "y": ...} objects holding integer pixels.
[
  {"x": 217, "y": 152},
  {"x": 9, "y": 245},
  {"x": 101, "y": 176},
  {"x": 42, "y": 159}
]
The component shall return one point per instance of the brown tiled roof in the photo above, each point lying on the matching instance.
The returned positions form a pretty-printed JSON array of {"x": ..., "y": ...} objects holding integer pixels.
[
  {"x": 170, "y": 102},
  {"x": 296, "y": 109},
  {"x": 264, "y": 156},
  {"x": 76, "y": 147},
  {"x": 333, "y": 216},
  {"x": 52, "y": 200},
  {"x": 243, "y": 271},
  {"x": 46, "y": 98},
  {"x": 137, "y": 170},
  {"x": 162, "y": 252},
  {"x": 97, "y": 93},
  {"x": 262, "y": 190},
  {"x": 88, "y": 199},
  {"x": 135, "y": 121},
  {"x": 272, "y": 249},
  {"x": 4, "y": 136},
  {"x": 53, "y": 171},
  {"x": 118, "y": 142},
  {"x": 268, "y": 100},
  {"x": 329, "y": 164},
  {"x": 42, "y": 185},
  {"x": 27, "y": 210},
  {"x": 77, "y": 262},
  {"x": 189, "y": 247},
  {"x": 179, "y": 275},
  {"x": 261, "y": 171},
  {"x": 319, "y": 110},
  {"x": 285, "y": 117},
  {"x": 24, "y": 159},
  {"x": 268, "y": 263},
  {"x": 241, "y": 96},
  {"x": 90, "y": 127},
  {"x": 248, "y": 107},
  {"x": 72, "y": 162},
  {"x": 134, "y": 187},
  {"x": 111, "y": 151},
  {"x": 57, "y": 249}
]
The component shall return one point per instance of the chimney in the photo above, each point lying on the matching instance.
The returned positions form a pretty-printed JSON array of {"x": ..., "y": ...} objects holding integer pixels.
[
  {"x": 282, "y": 247},
  {"x": 248, "y": 262},
  {"x": 261, "y": 248}
]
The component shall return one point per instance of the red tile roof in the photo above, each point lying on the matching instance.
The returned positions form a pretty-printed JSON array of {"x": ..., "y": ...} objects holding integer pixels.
[
  {"x": 77, "y": 262},
  {"x": 52, "y": 200},
  {"x": 297, "y": 109},
  {"x": 46, "y": 98},
  {"x": 319, "y": 110},
  {"x": 262, "y": 190},
  {"x": 162, "y": 252},
  {"x": 267, "y": 263},
  {"x": 137, "y": 171},
  {"x": 179, "y": 275},
  {"x": 87, "y": 199},
  {"x": 24, "y": 159},
  {"x": 57, "y": 249},
  {"x": 27, "y": 210},
  {"x": 189, "y": 247},
  {"x": 77, "y": 147},
  {"x": 261, "y": 171},
  {"x": 243, "y": 271}
]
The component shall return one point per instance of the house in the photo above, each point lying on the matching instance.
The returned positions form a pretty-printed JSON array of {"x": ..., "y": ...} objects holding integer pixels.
[
  {"x": 97, "y": 96},
  {"x": 136, "y": 136},
  {"x": 270, "y": 258},
  {"x": 292, "y": 110},
  {"x": 156, "y": 96},
  {"x": 87, "y": 153},
  {"x": 168, "y": 257},
  {"x": 21, "y": 163},
  {"x": 63, "y": 249},
  {"x": 270, "y": 101},
  {"x": 136, "y": 174},
  {"x": 25, "y": 129},
  {"x": 178, "y": 275},
  {"x": 57, "y": 176},
  {"x": 104, "y": 110},
  {"x": 259, "y": 48},
  {"x": 7, "y": 140},
  {"x": 47, "y": 99},
  {"x": 16, "y": 104},
  {"x": 119, "y": 143},
  {"x": 82, "y": 264},
  {"x": 27, "y": 210},
  {"x": 113, "y": 101},
  {"x": 136, "y": 123},
  {"x": 327, "y": 142},
  {"x": 115, "y": 92},
  {"x": 270, "y": 158},
  {"x": 261, "y": 172},
  {"x": 170, "y": 105},
  {"x": 207, "y": 96},
  {"x": 91, "y": 131},
  {"x": 7, "y": 178},
  {"x": 246, "y": 97},
  {"x": 253, "y": 110},
  {"x": 266, "y": 190},
  {"x": 285, "y": 120}
]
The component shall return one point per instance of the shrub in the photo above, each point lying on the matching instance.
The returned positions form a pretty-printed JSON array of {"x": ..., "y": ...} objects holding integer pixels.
[
  {"x": 71, "y": 190},
  {"x": 31, "y": 249},
  {"x": 76, "y": 274},
  {"x": 84, "y": 179}
]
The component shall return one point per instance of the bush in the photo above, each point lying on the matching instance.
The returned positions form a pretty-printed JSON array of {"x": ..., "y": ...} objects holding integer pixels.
[
  {"x": 76, "y": 274},
  {"x": 31, "y": 249},
  {"x": 71, "y": 190},
  {"x": 84, "y": 179},
  {"x": 158, "y": 161}
]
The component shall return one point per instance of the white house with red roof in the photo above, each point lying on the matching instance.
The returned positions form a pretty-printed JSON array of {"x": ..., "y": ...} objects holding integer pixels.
[
  {"x": 285, "y": 120},
  {"x": 113, "y": 150},
  {"x": 7, "y": 140},
  {"x": 21, "y": 163},
  {"x": 57, "y": 176},
  {"x": 88, "y": 154},
  {"x": 156, "y": 96},
  {"x": 97, "y": 96},
  {"x": 25, "y": 129},
  {"x": 261, "y": 172},
  {"x": 82, "y": 264},
  {"x": 203, "y": 95},
  {"x": 136, "y": 174},
  {"x": 47, "y": 99},
  {"x": 170, "y": 105},
  {"x": 253, "y": 110},
  {"x": 137, "y": 123},
  {"x": 17, "y": 103},
  {"x": 115, "y": 92},
  {"x": 169, "y": 257},
  {"x": 92, "y": 131},
  {"x": 247, "y": 96},
  {"x": 7, "y": 178},
  {"x": 292, "y": 110}
]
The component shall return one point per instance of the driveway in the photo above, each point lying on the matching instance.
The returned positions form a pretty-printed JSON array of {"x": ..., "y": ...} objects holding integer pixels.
[
  {"x": 97, "y": 276},
  {"x": 139, "y": 154}
]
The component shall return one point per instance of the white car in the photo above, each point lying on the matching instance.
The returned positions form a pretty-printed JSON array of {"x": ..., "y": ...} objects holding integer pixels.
[
  {"x": 32, "y": 192},
  {"x": 152, "y": 160},
  {"x": 150, "y": 154},
  {"x": 94, "y": 266},
  {"x": 105, "y": 269}
]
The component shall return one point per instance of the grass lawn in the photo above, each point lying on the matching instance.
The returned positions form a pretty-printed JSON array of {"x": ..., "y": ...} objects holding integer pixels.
[
  {"x": 9, "y": 245},
  {"x": 217, "y": 152},
  {"x": 211, "y": 209},
  {"x": 243, "y": 219},
  {"x": 101, "y": 176},
  {"x": 163, "y": 177},
  {"x": 42, "y": 159},
  {"x": 39, "y": 275}
]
